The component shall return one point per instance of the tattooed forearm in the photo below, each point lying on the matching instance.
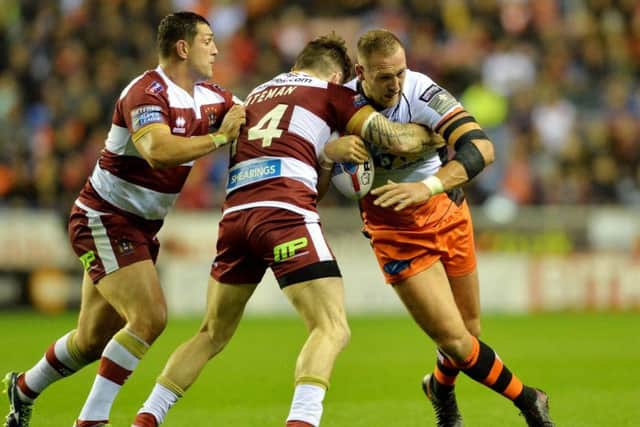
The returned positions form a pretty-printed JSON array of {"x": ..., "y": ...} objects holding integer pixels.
[{"x": 398, "y": 138}]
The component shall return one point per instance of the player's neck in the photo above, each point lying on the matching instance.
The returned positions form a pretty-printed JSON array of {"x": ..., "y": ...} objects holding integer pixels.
[{"x": 180, "y": 76}]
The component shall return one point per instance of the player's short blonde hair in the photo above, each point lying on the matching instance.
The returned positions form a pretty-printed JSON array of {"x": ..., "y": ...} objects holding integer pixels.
[{"x": 379, "y": 41}]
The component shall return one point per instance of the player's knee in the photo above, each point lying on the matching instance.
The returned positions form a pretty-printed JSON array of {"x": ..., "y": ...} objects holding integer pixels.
[
  {"x": 343, "y": 334},
  {"x": 473, "y": 326},
  {"x": 454, "y": 346},
  {"x": 150, "y": 325},
  {"x": 338, "y": 332},
  {"x": 91, "y": 346}
]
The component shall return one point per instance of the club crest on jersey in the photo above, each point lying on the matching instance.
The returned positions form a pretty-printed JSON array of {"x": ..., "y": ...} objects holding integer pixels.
[
  {"x": 154, "y": 88},
  {"x": 125, "y": 247},
  {"x": 179, "y": 125},
  {"x": 212, "y": 116}
]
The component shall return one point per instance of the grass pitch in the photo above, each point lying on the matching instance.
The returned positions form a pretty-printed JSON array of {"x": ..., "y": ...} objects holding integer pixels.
[{"x": 588, "y": 363}]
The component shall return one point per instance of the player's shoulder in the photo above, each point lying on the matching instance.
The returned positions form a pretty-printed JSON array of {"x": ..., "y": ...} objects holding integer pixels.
[
  {"x": 415, "y": 83},
  {"x": 215, "y": 87},
  {"x": 150, "y": 82}
]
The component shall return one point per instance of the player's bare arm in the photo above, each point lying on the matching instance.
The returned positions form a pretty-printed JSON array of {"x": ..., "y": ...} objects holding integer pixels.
[
  {"x": 395, "y": 138},
  {"x": 348, "y": 148},
  {"x": 161, "y": 149},
  {"x": 474, "y": 151}
]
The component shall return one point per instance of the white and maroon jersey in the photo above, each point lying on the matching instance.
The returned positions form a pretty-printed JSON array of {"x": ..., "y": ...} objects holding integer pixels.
[
  {"x": 121, "y": 177},
  {"x": 289, "y": 120},
  {"x": 422, "y": 102}
]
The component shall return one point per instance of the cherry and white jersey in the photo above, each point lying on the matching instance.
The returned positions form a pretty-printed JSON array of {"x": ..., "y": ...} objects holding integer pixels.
[
  {"x": 121, "y": 177},
  {"x": 289, "y": 120},
  {"x": 422, "y": 102}
]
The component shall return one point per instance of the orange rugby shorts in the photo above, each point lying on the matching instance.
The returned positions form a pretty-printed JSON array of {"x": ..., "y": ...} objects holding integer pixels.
[{"x": 412, "y": 240}]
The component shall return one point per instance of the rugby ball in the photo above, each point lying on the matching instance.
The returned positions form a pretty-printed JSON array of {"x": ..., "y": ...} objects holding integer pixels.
[{"x": 353, "y": 180}]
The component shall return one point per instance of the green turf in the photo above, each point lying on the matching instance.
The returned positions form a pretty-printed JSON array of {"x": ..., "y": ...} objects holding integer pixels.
[{"x": 589, "y": 364}]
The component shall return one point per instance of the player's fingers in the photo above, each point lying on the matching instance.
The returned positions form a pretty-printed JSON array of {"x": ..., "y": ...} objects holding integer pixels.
[
  {"x": 382, "y": 189},
  {"x": 405, "y": 203},
  {"x": 383, "y": 197},
  {"x": 392, "y": 199}
]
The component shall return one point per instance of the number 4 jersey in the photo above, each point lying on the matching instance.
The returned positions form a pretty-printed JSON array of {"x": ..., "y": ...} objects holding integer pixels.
[{"x": 274, "y": 161}]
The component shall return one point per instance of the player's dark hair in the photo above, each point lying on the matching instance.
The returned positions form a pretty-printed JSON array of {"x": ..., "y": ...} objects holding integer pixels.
[
  {"x": 325, "y": 53},
  {"x": 379, "y": 41},
  {"x": 177, "y": 26}
]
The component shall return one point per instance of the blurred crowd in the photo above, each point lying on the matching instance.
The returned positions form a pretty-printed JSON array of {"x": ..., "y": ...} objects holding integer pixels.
[{"x": 553, "y": 82}]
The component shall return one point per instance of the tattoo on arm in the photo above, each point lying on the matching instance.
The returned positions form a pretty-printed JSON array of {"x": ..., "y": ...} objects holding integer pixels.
[{"x": 391, "y": 136}]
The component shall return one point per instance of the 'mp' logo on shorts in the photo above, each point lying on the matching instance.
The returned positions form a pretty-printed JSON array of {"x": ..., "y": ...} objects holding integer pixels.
[
  {"x": 86, "y": 259},
  {"x": 287, "y": 250}
]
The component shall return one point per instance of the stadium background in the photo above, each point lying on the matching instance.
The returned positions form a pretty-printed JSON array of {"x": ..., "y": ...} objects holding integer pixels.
[{"x": 554, "y": 83}]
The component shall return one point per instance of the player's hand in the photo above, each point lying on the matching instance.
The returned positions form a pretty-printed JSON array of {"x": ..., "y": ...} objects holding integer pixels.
[
  {"x": 348, "y": 148},
  {"x": 431, "y": 140},
  {"x": 233, "y": 120},
  {"x": 401, "y": 195}
]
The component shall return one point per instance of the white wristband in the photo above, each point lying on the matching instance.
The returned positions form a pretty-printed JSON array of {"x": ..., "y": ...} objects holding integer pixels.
[{"x": 434, "y": 185}]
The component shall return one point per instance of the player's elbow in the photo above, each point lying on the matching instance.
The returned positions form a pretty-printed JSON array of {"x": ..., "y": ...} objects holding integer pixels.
[
  {"x": 486, "y": 149},
  {"x": 152, "y": 150},
  {"x": 157, "y": 162}
]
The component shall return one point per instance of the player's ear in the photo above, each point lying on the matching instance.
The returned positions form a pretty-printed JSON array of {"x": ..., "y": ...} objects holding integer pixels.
[
  {"x": 336, "y": 78},
  {"x": 359, "y": 71},
  {"x": 182, "y": 49}
]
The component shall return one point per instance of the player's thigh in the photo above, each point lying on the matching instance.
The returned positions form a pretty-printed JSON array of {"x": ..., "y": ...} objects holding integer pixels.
[
  {"x": 225, "y": 306},
  {"x": 320, "y": 302},
  {"x": 134, "y": 292},
  {"x": 466, "y": 292},
  {"x": 97, "y": 321},
  {"x": 428, "y": 297}
]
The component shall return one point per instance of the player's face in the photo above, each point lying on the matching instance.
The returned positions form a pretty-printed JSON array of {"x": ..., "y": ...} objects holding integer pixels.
[
  {"x": 382, "y": 77},
  {"x": 202, "y": 52}
]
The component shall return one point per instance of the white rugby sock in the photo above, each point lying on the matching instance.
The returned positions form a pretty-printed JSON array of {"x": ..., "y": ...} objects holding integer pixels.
[
  {"x": 159, "y": 402},
  {"x": 307, "y": 404},
  {"x": 60, "y": 360},
  {"x": 119, "y": 358}
]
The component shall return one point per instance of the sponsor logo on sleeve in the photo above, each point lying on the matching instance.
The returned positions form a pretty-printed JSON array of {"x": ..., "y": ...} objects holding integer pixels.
[
  {"x": 145, "y": 115},
  {"x": 438, "y": 99}
]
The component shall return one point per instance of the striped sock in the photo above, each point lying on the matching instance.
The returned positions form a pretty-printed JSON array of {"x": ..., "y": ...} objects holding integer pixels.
[
  {"x": 61, "y": 360},
  {"x": 485, "y": 366},
  {"x": 119, "y": 358},
  {"x": 444, "y": 375}
]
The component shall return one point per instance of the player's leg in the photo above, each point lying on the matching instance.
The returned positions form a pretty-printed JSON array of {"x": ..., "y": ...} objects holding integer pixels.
[
  {"x": 97, "y": 322},
  {"x": 434, "y": 309},
  {"x": 134, "y": 292},
  {"x": 225, "y": 305},
  {"x": 320, "y": 303},
  {"x": 466, "y": 294}
]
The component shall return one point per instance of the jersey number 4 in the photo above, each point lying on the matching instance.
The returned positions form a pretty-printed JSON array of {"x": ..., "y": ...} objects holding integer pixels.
[{"x": 267, "y": 128}]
